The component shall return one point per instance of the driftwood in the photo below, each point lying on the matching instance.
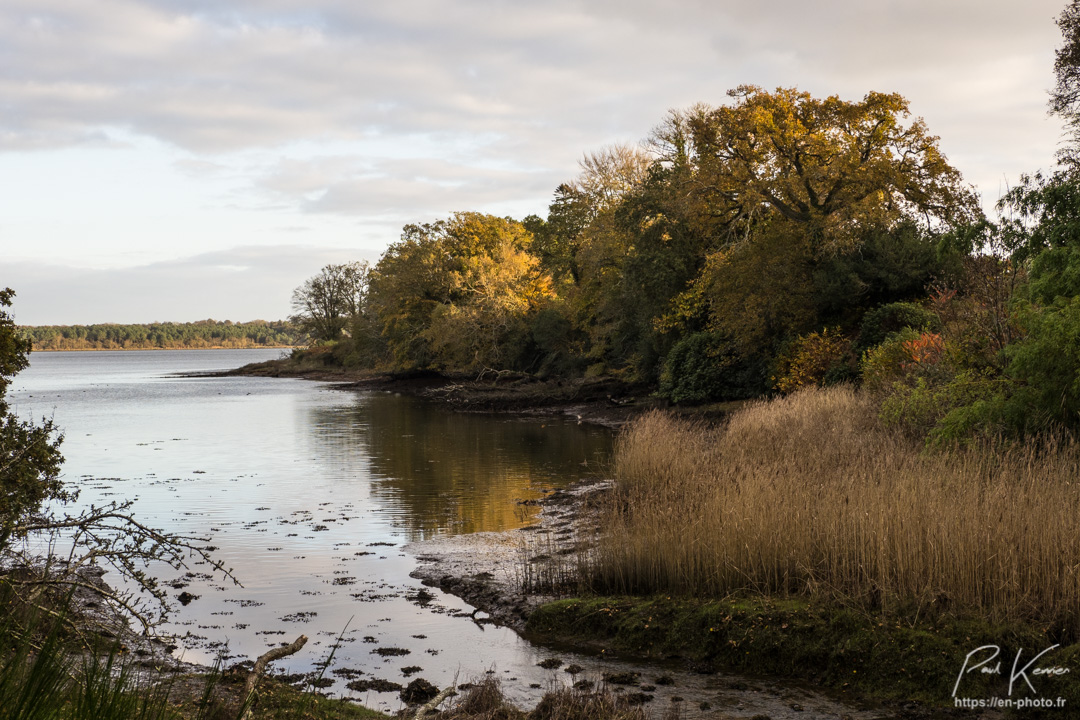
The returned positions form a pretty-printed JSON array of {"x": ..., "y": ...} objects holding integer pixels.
[
  {"x": 260, "y": 667},
  {"x": 430, "y": 706}
]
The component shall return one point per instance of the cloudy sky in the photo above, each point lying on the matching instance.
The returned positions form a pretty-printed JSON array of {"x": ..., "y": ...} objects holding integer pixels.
[{"x": 185, "y": 159}]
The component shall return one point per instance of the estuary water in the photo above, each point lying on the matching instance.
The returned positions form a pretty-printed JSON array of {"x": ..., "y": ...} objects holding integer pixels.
[{"x": 309, "y": 493}]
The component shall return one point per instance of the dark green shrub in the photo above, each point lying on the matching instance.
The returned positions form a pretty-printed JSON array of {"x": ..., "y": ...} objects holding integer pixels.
[
  {"x": 990, "y": 416},
  {"x": 1045, "y": 365},
  {"x": 706, "y": 366},
  {"x": 881, "y": 322},
  {"x": 946, "y": 411}
]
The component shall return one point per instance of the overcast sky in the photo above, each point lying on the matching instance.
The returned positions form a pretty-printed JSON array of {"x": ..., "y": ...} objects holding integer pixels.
[{"x": 185, "y": 159}]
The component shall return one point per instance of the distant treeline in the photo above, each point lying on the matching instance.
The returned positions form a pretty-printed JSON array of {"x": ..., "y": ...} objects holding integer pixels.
[{"x": 200, "y": 334}]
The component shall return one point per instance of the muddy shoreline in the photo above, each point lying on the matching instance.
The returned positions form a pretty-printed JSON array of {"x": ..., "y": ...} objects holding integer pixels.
[
  {"x": 507, "y": 575},
  {"x": 600, "y": 401},
  {"x": 492, "y": 570},
  {"x": 489, "y": 571}
]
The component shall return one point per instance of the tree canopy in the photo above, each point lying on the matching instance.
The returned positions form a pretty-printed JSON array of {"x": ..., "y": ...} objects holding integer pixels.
[
  {"x": 458, "y": 292},
  {"x": 1065, "y": 96},
  {"x": 326, "y": 303},
  {"x": 837, "y": 168},
  {"x": 201, "y": 334},
  {"x": 739, "y": 232}
]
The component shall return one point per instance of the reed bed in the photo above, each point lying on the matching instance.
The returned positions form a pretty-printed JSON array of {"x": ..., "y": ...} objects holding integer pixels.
[{"x": 808, "y": 495}]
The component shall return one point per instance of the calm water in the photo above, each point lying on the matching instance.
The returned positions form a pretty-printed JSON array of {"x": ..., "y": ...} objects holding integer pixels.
[{"x": 308, "y": 492}]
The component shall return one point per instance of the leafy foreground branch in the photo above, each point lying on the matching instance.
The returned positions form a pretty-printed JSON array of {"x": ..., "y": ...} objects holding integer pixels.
[{"x": 47, "y": 552}]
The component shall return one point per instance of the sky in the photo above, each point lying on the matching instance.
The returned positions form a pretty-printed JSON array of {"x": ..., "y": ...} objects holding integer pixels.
[{"x": 176, "y": 160}]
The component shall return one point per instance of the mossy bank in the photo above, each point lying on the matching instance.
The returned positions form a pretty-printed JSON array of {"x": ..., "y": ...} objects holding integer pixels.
[{"x": 916, "y": 655}]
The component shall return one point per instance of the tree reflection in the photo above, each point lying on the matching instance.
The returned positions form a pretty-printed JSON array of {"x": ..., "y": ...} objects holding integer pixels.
[{"x": 441, "y": 472}]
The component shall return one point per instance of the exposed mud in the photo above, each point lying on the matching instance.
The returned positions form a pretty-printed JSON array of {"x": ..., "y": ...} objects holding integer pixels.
[
  {"x": 103, "y": 626},
  {"x": 491, "y": 570}
]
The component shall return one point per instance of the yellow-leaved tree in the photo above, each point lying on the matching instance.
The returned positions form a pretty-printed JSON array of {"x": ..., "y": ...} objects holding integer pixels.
[
  {"x": 459, "y": 293},
  {"x": 836, "y": 168}
]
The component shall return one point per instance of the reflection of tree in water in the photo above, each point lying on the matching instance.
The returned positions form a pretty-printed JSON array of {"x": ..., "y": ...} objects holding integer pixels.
[{"x": 444, "y": 471}]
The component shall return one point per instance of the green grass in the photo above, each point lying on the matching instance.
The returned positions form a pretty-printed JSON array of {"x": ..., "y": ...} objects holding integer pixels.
[
  {"x": 901, "y": 657},
  {"x": 276, "y": 701}
]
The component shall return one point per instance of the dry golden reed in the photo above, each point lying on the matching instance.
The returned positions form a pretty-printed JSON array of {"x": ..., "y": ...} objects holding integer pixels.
[{"x": 809, "y": 495}]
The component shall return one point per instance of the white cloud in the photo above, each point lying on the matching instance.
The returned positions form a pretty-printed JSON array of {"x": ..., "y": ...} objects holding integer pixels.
[
  {"x": 229, "y": 122},
  {"x": 242, "y": 283}
]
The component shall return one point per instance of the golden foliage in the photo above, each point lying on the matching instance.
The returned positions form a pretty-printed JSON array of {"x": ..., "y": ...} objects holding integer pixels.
[
  {"x": 810, "y": 358},
  {"x": 838, "y": 168},
  {"x": 455, "y": 293}
]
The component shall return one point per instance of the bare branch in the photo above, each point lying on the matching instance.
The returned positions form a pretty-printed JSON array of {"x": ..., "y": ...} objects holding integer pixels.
[{"x": 260, "y": 667}]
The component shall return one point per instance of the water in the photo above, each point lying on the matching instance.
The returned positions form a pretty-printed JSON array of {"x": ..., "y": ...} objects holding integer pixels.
[{"x": 309, "y": 493}]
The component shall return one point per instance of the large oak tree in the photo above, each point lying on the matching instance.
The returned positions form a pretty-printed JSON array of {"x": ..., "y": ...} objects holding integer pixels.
[{"x": 835, "y": 168}]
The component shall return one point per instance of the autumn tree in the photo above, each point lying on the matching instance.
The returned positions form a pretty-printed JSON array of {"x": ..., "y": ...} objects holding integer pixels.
[
  {"x": 805, "y": 213},
  {"x": 753, "y": 223},
  {"x": 605, "y": 178},
  {"x": 498, "y": 290},
  {"x": 458, "y": 293},
  {"x": 586, "y": 242},
  {"x": 649, "y": 251},
  {"x": 833, "y": 167},
  {"x": 326, "y": 303}
]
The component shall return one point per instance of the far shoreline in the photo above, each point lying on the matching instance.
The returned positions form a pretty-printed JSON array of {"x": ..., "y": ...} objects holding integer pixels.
[{"x": 137, "y": 349}]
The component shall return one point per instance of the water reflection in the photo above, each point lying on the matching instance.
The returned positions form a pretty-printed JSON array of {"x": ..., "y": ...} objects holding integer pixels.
[{"x": 438, "y": 472}]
